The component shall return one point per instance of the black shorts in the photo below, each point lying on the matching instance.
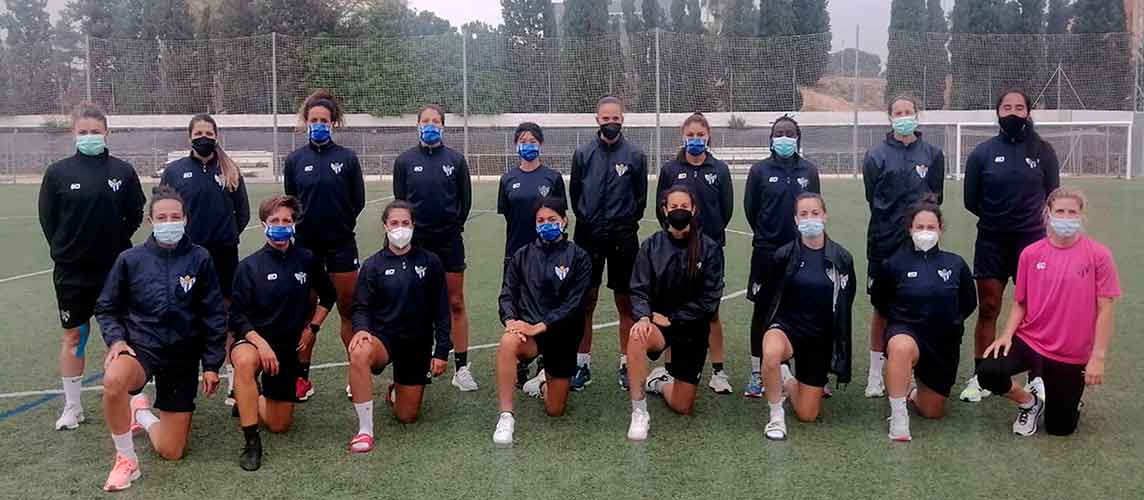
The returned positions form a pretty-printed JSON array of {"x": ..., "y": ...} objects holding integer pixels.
[
  {"x": 176, "y": 380},
  {"x": 937, "y": 364},
  {"x": 760, "y": 259},
  {"x": 1064, "y": 383},
  {"x": 811, "y": 356},
  {"x": 337, "y": 256},
  {"x": 995, "y": 254},
  {"x": 225, "y": 260},
  {"x": 410, "y": 360},
  {"x": 280, "y": 387},
  {"x": 450, "y": 249},
  {"x": 688, "y": 343},
  {"x": 77, "y": 290},
  {"x": 619, "y": 256},
  {"x": 559, "y": 345}
]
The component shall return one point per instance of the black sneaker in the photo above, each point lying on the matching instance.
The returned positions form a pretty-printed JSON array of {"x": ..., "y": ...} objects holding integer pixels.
[
  {"x": 582, "y": 378},
  {"x": 622, "y": 377},
  {"x": 521, "y": 373},
  {"x": 251, "y": 458}
]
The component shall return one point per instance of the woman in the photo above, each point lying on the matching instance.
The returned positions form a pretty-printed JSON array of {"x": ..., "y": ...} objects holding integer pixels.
[
  {"x": 434, "y": 179},
  {"x": 772, "y": 188},
  {"x": 211, "y": 185},
  {"x": 90, "y": 205},
  {"x": 542, "y": 308},
  {"x": 710, "y": 180},
  {"x": 809, "y": 314},
  {"x": 677, "y": 283},
  {"x": 897, "y": 174},
  {"x": 161, "y": 314},
  {"x": 1007, "y": 180},
  {"x": 925, "y": 294},
  {"x": 270, "y": 312},
  {"x": 521, "y": 188},
  {"x": 1061, "y": 321},
  {"x": 327, "y": 179},
  {"x": 401, "y": 316}
]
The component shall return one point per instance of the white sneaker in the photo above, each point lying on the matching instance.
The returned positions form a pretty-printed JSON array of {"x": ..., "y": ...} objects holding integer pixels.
[
  {"x": 720, "y": 383},
  {"x": 900, "y": 427},
  {"x": 656, "y": 380},
  {"x": 463, "y": 380},
  {"x": 505, "y": 425},
  {"x": 875, "y": 386},
  {"x": 533, "y": 386},
  {"x": 776, "y": 429},
  {"x": 349, "y": 394},
  {"x": 973, "y": 393},
  {"x": 641, "y": 422},
  {"x": 70, "y": 418},
  {"x": 1026, "y": 422},
  {"x": 1037, "y": 387}
]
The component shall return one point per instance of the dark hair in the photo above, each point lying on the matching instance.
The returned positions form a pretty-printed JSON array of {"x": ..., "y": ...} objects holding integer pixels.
[
  {"x": 902, "y": 97},
  {"x": 272, "y": 204},
  {"x": 398, "y": 205},
  {"x": 694, "y": 118},
  {"x": 434, "y": 107},
  {"x": 797, "y": 129},
  {"x": 554, "y": 204},
  {"x": 928, "y": 203},
  {"x": 89, "y": 110},
  {"x": 531, "y": 128},
  {"x": 322, "y": 98},
  {"x": 229, "y": 167},
  {"x": 164, "y": 192},
  {"x": 694, "y": 234},
  {"x": 1038, "y": 145},
  {"x": 609, "y": 99},
  {"x": 809, "y": 195}
]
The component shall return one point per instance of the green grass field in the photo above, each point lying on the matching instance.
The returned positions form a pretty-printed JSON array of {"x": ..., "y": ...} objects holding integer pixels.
[{"x": 717, "y": 453}]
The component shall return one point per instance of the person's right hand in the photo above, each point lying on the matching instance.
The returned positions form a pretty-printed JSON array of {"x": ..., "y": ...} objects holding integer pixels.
[
  {"x": 360, "y": 340},
  {"x": 999, "y": 347},
  {"x": 114, "y": 351},
  {"x": 660, "y": 320},
  {"x": 641, "y": 329},
  {"x": 267, "y": 356}
]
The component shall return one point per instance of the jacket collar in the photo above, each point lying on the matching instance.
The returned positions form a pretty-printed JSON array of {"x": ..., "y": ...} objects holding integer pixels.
[
  {"x": 894, "y": 142},
  {"x": 183, "y": 247},
  {"x": 319, "y": 147}
]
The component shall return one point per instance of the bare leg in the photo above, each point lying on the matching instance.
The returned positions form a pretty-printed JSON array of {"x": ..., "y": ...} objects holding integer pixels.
[{"x": 456, "y": 285}]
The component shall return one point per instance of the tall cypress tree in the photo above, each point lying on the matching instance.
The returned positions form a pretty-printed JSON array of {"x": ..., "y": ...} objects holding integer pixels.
[
  {"x": 1107, "y": 81},
  {"x": 1059, "y": 16},
  {"x": 29, "y": 49},
  {"x": 1099, "y": 16},
  {"x": 589, "y": 56},
  {"x": 651, "y": 14},
  {"x": 776, "y": 18},
  {"x": 937, "y": 56},
  {"x": 906, "y": 60},
  {"x": 813, "y": 20},
  {"x": 976, "y": 62}
]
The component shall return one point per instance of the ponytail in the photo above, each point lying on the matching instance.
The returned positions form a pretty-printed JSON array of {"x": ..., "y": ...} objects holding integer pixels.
[{"x": 230, "y": 171}]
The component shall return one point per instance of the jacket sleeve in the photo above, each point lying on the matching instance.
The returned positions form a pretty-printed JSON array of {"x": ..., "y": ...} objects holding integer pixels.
[
  {"x": 133, "y": 202},
  {"x": 727, "y": 203},
  {"x": 241, "y": 205},
  {"x": 111, "y": 306},
  {"x": 400, "y": 191},
  {"x": 973, "y": 168},
  {"x": 661, "y": 185},
  {"x": 967, "y": 291},
  {"x": 815, "y": 184},
  {"x": 576, "y": 184},
  {"x": 639, "y": 185},
  {"x": 870, "y": 177},
  {"x": 712, "y": 281},
  {"x": 751, "y": 201},
  {"x": 558, "y": 190},
  {"x": 211, "y": 318},
  {"x": 935, "y": 176},
  {"x": 641, "y": 283},
  {"x": 465, "y": 192},
  {"x": 289, "y": 187},
  {"x": 883, "y": 287},
  {"x": 773, "y": 271},
  {"x": 502, "y": 195},
  {"x": 323, "y": 286},
  {"x": 47, "y": 207},
  {"x": 1050, "y": 167},
  {"x": 241, "y": 300},
  {"x": 363, "y": 298},
  {"x": 356, "y": 185},
  {"x": 581, "y": 274},
  {"x": 842, "y": 357},
  {"x": 509, "y": 286},
  {"x": 442, "y": 322}
]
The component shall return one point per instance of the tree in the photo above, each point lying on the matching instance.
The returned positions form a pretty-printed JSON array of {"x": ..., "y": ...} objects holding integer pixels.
[
  {"x": 937, "y": 56},
  {"x": 776, "y": 18},
  {"x": 651, "y": 14},
  {"x": 589, "y": 57},
  {"x": 234, "y": 18},
  {"x": 1030, "y": 16},
  {"x": 813, "y": 21},
  {"x": 842, "y": 64},
  {"x": 29, "y": 47},
  {"x": 167, "y": 20},
  {"x": 1103, "y": 69},
  {"x": 678, "y": 15},
  {"x": 739, "y": 19},
  {"x": 6, "y": 107},
  {"x": 980, "y": 67},
  {"x": 908, "y": 44},
  {"x": 525, "y": 18},
  {"x": 1059, "y": 16},
  {"x": 584, "y": 18},
  {"x": 632, "y": 21},
  {"x": 1099, "y": 16}
]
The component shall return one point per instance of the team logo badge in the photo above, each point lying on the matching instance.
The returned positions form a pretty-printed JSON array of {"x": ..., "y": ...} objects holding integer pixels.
[
  {"x": 1032, "y": 163},
  {"x": 301, "y": 277},
  {"x": 682, "y": 175},
  {"x": 755, "y": 287},
  {"x": 1041, "y": 266},
  {"x": 65, "y": 315},
  {"x": 843, "y": 280},
  {"x": 308, "y": 168},
  {"x": 390, "y": 272},
  {"x": 999, "y": 159},
  {"x": 448, "y": 169},
  {"x": 75, "y": 187},
  {"x": 336, "y": 167},
  {"x": 922, "y": 170},
  {"x": 544, "y": 190},
  {"x": 188, "y": 175},
  {"x": 186, "y": 282},
  {"x": 710, "y": 178},
  {"x": 803, "y": 181},
  {"x": 420, "y": 270},
  {"x": 114, "y": 184},
  {"x": 945, "y": 274},
  {"x": 272, "y": 277},
  {"x": 418, "y": 168},
  {"x": 516, "y": 185},
  {"x": 621, "y": 169},
  {"x": 219, "y": 180},
  {"x": 561, "y": 272},
  {"x": 912, "y": 274},
  {"x": 773, "y": 179}
]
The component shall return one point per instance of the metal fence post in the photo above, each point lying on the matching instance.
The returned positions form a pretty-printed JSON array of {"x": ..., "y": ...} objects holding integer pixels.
[
  {"x": 274, "y": 167},
  {"x": 465, "y": 88},
  {"x": 658, "y": 148},
  {"x": 854, "y": 137}
]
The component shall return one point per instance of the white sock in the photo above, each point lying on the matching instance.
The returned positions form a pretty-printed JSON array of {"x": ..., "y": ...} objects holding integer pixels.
[
  {"x": 776, "y": 410},
  {"x": 756, "y": 364},
  {"x": 898, "y": 406},
  {"x": 229, "y": 380},
  {"x": 877, "y": 360},
  {"x": 145, "y": 418},
  {"x": 785, "y": 374},
  {"x": 623, "y": 360},
  {"x": 72, "y": 388},
  {"x": 364, "y": 417},
  {"x": 583, "y": 359},
  {"x": 640, "y": 405},
  {"x": 124, "y": 445}
]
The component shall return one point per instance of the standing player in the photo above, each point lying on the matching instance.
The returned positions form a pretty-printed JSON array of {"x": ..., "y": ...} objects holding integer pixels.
[
  {"x": 327, "y": 179},
  {"x": 1007, "y": 180},
  {"x": 608, "y": 190},
  {"x": 90, "y": 204},
  {"x": 897, "y": 174},
  {"x": 270, "y": 313},
  {"x": 925, "y": 294},
  {"x": 161, "y": 315},
  {"x": 710, "y": 180},
  {"x": 1061, "y": 321},
  {"x": 434, "y": 179},
  {"x": 677, "y": 283},
  {"x": 211, "y": 185},
  {"x": 773, "y": 185},
  {"x": 541, "y": 306},
  {"x": 401, "y": 316}
]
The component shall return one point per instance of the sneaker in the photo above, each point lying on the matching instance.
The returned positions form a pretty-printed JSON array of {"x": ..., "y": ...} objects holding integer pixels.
[
  {"x": 582, "y": 378},
  {"x": 361, "y": 443},
  {"x": 521, "y": 373},
  {"x": 251, "y": 457},
  {"x": 973, "y": 393},
  {"x": 122, "y": 474},
  {"x": 391, "y": 394},
  {"x": 141, "y": 403},
  {"x": 641, "y": 422},
  {"x": 349, "y": 393},
  {"x": 229, "y": 401},
  {"x": 875, "y": 386},
  {"x": 720, "y": 383},
  {"x": 622, "y": 377},
  {"x": 656, "y": 380},
  {"x": 303, "y": 390},
  {"x": 776, "y": 430},
  {"x": 1036, "y": 386},
  {"x": 1026, "y": 422},
  {"x": 827, "y": 392},
  {"x": 900, "y": 427},
  {"x": 503, "y": 435},
  {"x": 533, "y": 387},
  {"x": 70, "y": 418},
  {"x": 463, "y": 379},
  {"x": 754, "y": 388}
]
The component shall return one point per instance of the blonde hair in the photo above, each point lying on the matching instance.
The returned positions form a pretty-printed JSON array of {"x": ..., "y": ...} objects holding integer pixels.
[{"x": 1063, "y": 193}]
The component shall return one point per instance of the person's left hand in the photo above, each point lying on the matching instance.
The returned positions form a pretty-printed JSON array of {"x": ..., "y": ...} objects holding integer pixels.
[
  {"x": 210, "y": 383},
  {"x": 1094, "y": 372},
  {"x": 307, "y": 340},
  {"x": 437, "y": 367}
]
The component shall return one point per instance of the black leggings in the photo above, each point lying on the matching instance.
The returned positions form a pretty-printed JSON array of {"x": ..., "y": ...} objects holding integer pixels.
[{"x": 1064, "y": 383}]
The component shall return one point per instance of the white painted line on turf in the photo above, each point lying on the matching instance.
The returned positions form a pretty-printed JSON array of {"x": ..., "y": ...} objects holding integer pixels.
[{"x": 18, "y": 217}]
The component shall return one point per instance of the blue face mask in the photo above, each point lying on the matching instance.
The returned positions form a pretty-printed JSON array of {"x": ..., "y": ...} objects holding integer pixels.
[
  {"x": 319, "y": 132},
  {"x": 695, "y": 146},
  {"x": 549, "y": 231},
  {"x": 528, "y": 151},
  {"x": 784, "y": 146},
  {"x": 279, "y": 234},
  {"x": 169, "y": 233},
  {"x": 90, "y": 144},
  {"x": 1065, "y": 228},
  {"x": 430, "y": 134},
  {"x": 905, "y": 125},
  {"x": 811, "y": 228}
]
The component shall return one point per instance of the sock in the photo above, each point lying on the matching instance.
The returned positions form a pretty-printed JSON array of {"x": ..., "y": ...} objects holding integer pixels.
[
  {"x": 72, "y": 389},
  {"x": 776, "y": 410},
  {"x": 877, "y": 360},
  {"x": 640, "y": 405},
  {"x": 1026, "y": 406},
  {"x": 364, "y": 417},
  {"x": 250, "y": 432},
  {"x": 716, "y": 367},
  {"x": 583, "y": 358},
  {"x": 146, "y": 419},
  {"x": 461, "y": 359},
  {"x": 756, "y": 364},
  {"x": 304, "y": 370},
  {"x": 124, "y": 445},
  {"x": 898, "y": 406},
  {"x": 785, "y": 374},
  {"x": 230, "y": 380},
  {"x": 508, "y": 414},
  {"x": 623, "y": 360}
]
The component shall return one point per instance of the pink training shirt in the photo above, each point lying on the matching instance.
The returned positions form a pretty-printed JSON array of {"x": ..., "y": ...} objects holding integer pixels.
[{"x": 1059, "y": 288}]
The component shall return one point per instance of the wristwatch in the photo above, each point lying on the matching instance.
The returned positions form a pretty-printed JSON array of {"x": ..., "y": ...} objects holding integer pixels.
[{"x": 315, "y": 328}]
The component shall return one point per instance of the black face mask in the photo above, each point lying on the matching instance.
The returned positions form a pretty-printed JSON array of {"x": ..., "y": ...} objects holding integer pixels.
[
  {"x": 1014, "y": 126},
  {"x": 204, "y": 146},
  {"x": 610, "y": 131},
  {"x": 679, "y": 218}
]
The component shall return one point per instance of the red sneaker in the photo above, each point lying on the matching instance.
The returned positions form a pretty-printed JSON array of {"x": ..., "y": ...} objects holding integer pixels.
[
  {"x": 122, "y": 474},
  {"x": 361, "y": 443},
  {"x": 303, "y": 389}
]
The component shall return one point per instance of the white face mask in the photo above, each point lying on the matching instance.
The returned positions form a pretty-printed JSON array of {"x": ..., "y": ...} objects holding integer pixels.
[
  {"x": 399, "y": 237},
  {"x": 924, "y": 240}
]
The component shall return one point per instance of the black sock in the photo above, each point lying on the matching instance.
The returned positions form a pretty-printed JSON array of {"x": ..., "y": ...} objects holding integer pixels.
[
  {"x": 304, "y": 370},
  {"x": 461, "y": 359},
  {"x": 716, "y": 367},
  {"x": 667, "y": 366},
  {"x": 250, "y": 432},
  {"x": 976, "y": 364}
]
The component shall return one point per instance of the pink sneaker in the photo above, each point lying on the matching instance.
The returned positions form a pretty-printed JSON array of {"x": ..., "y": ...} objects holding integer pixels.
[
  {"x": 138, "y": 403},
  {"x": 361, "y": 443},
  {"x": 124, "y": 472}
]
